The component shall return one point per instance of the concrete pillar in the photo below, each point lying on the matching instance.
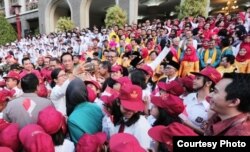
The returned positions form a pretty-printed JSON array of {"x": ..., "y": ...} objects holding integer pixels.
[
  {"x": 84, "y": 13},
  {"x": 7, "y": 8},
  {"x": 23, "y": 4},
  {"x": 75, "y": 11},
  {"x": 131, "y": 7}
]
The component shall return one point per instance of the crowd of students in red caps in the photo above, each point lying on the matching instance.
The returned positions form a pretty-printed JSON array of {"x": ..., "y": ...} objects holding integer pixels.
[{"x": 126, "y": 89}]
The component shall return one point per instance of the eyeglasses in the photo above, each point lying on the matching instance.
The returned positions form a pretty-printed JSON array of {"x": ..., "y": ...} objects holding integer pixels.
[
  {"x": 62, "y": 75},
  {"x": 169, "y": 68},
  {"x": 111, "y": 57}
]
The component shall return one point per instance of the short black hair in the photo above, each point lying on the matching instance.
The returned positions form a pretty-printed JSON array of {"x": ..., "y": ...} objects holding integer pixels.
[
  {"x": 109, "y": 82},
  {"x": 239, "y": 88},
  {"x": 138, "y": 77},
  {"x": 106, "y": 65},
  {"x": 55, "y": 59},
  {"x": 115, "y": 51},
  {"x": 230, "y": 58},
  {"x": 15, "y": 66},
  {"x": 54, "y": 75},
  {"x": 24, "y": 59},
  {"x": 66, "y": 53},
  {"x": 225, "y": 42},
  {"x": 29, "y": 83}
]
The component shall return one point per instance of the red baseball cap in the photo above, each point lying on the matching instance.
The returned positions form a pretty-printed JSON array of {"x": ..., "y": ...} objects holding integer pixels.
[
  {"x": 173, "y": 87},
  {"x": 124, "y": 142},
  {"x": 91, "y": 143},
  {"x": 131, "y": 97},
  {"x": 173, "y": 105},
  {"x": 144, "y": 53},
  {"x": 13, "y": 75},
  {"x": 129, "y": 47},
  {"x": 109, "y": 99},
  {"x": 51, "y": 120},
  {"x": 3, "y": 124},
  {"x": 9, "y": 135},
  {"x": 147, "y": 69},
  {"x": 210, "y": 73},
  {"x": 187, "y": 82},
  {"x": 165, "y": 134},
  {"x": 35, "y": 139},
  {"x": 124, "y": 80},
  {"x": 2, "y": 83},
  {"x": 116, "y": 68},
  {"x": 4, "y": 94},
  {"x": 96, "y": 84},
  {"x": 5, "y": 149},
  {"x": 42, "y": 91}
]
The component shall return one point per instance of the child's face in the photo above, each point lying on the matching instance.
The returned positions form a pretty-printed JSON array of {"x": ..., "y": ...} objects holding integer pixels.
[
  {"x": 11, "y": 83},
  {"x": 126, "y": 113},
  {"x": 154, "y": 112}
]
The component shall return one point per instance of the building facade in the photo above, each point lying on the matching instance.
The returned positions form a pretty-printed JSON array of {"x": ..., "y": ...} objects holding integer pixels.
[{"x": 42, "y": 15}]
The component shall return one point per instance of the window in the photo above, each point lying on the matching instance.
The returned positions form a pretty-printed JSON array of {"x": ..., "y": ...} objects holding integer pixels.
[
  {"x": 13, "y": 1},
  {"x": 1, "y": 4}
]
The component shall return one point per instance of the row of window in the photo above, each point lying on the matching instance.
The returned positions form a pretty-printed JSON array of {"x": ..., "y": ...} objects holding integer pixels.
[{"x": 30, "y": 5}]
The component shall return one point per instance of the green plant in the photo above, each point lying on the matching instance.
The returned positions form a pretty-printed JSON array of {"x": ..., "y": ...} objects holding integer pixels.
[
  {"x": 36, "y": 31},
  {"x": 115, "y": 16},
  {"x": 192, "y": 8},
  {"x": 64, "y": 24},
  {"x": 7, "y": 32}
]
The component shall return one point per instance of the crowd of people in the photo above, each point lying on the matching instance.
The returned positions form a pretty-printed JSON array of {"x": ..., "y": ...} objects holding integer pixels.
[{"x": 129, "y": 88}]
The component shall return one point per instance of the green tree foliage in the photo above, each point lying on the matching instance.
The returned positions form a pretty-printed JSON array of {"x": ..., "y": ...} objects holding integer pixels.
[
  {"x": 192, "y": 8},
  {"x": 115, "y": 16},
  {"x": 7, "y": 32},
  {"x": 64, "y": 24}
]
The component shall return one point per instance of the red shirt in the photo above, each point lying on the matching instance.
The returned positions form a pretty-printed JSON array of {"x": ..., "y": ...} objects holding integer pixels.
[{"x": 236, "y": 126}]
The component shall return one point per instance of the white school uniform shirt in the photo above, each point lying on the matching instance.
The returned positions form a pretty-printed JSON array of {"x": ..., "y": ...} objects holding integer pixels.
[
  {"x": 57, "y": 96},
  {"x": 18, "y": 92},
  {"x": 197, "y": 111},
  {"x": 67, "y": 146},
  {"x": 107, "y": 126},
  {"x": 139, "y": 130},
  {"x": 1, "y": 115},
  {"x": 146, "y": 94}
]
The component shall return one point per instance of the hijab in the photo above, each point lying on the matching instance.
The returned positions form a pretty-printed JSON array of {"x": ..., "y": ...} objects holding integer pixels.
[
  {"x": 192, "y": 56},
  {"x": 76, "y": 93},
  {"x": 240, "y": 58}
]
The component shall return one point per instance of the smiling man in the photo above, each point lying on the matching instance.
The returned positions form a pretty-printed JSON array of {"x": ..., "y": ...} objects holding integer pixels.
[{"x": 230, "y": 102}]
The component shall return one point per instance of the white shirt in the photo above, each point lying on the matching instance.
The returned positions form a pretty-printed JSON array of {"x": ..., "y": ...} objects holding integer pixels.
[
  {"x": 107, "y": 126},
  {"x": 159, "y": 58},
  {"x": 67, "y": 146},
  {"x": 18, "y": 92},
  {"x": 197, "y": 111},
  {"x": 57, "y": 96},
  {"x": 1, "y": 115},
  {"x": 146, "y": 95},
  {"x": 139, "y": 130}
]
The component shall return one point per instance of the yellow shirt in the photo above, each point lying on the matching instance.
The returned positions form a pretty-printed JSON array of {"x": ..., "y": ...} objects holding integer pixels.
[
  {"x": 244, "y": 67},
  {"x": 186, "y": 67},
  {"x": 223, "y": 70},
  {"x": 117, "y": 37}
]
